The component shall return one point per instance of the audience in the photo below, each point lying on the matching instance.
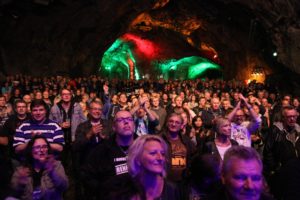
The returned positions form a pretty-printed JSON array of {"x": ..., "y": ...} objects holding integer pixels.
[{"x": 185, "y": 113}]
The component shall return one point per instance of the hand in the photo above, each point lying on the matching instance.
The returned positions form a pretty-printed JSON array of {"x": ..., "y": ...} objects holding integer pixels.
[
  {"x": 97, "y": 129},
  {"x": 49, "y": 166},
  {"x": 242, "y": 97},
  {"x": 143, "y": 100},
  {"x": 66, "y": 124},
  {"x": 34, "y": 133}
]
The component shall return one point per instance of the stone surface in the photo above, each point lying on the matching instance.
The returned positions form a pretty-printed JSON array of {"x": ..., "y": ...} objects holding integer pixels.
[{"x": 70, "y": 36}]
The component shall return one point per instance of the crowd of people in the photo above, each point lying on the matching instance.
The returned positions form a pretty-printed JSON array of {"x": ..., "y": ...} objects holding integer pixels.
[{"x": 147, "y": 139}]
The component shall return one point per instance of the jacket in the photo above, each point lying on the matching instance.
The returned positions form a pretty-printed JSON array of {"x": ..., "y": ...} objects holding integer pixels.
[
  {"x": 278, "y": 148},
  {"x": 52, "y": 185},
  {"x": 78, "y": 117}
]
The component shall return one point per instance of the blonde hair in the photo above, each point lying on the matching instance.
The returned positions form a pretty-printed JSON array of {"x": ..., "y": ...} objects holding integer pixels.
[{"x": 136, "y": 150}]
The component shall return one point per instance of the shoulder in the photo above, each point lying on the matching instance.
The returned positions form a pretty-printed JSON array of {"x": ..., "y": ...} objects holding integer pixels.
[{"x": 170, "y": 191}]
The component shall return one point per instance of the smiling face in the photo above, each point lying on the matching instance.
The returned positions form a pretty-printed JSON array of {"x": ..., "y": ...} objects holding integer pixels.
[
  {"x": 153, "y": 157},
  {"x": 38, "y": 113},
  {"x": 224, "y": 128},
  {"x": 66, "y": 95},
  {"x": 244, "y": 179},
  {"x": 175, "y": 124},
  {"x": 95, "y": 111},
  {"x": 40, "y": 150}
]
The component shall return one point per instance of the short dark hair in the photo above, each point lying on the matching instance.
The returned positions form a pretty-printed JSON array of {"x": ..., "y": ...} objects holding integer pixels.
[{"x": 39, "y": 102}]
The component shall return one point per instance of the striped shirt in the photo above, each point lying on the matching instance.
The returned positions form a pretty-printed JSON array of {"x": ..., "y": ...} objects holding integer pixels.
[{"x": 48, "y": 129}]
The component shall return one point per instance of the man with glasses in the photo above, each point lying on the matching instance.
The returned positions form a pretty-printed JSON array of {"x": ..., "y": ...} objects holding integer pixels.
[
  {"x": 68, "y": 114},
  {"x": 109, "y": 159},
  {"x": 241, "y": 128},
  {"x": 282, "y": 153},
  {"x": 180, "y": 147},
  {"x": 10, "y": 126},
  {"x": 88, "y": 135}
]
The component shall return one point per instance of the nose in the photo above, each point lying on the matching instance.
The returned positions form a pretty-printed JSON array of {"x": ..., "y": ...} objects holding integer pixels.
[
  {"x": 159, "y": 156},
  {"x": 248, "y": 183}
]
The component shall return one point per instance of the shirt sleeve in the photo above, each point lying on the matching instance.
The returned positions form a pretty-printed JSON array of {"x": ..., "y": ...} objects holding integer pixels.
[{"x": 58, "y": 136}]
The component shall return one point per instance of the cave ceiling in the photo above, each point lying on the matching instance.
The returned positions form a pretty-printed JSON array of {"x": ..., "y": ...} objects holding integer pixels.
[{"x": 51, "y": 36}]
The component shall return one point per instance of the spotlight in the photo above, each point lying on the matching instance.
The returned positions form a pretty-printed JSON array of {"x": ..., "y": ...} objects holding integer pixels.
[{"x": 275, "y": 54}]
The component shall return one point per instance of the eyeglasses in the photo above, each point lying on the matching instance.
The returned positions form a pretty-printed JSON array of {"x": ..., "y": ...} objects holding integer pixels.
[
  {"x": 176, "y": 122},
  {"x": 124, "y": 119},
  {"x": 97, "y": 109},
  {"x": 39, "y": 147},
  {"x": 291, "y": 117}
]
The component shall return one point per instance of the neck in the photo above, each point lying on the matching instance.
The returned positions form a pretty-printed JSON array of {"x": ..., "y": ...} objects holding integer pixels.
[
  {"x": 37, "y": 165},
  {"x": 222, "y": 139},
  {"x": 288, "y": 128},
  {"x": 153, "y": 184},
  {"x": 174, "y": 135},
  {"x": 41, "y": 121},
  {"x": 124, "y": 140},
  {"x": 66, "y": 104},
  {"x": 95, "y": 120},
  {"x": 21, "y": 116}
]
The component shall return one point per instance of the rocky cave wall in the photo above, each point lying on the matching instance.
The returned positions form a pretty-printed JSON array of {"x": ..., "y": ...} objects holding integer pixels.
[{"x": 70, "y": 36}]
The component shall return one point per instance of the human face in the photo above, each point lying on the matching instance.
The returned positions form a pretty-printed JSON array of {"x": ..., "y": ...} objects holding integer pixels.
[
  {"x": 226, "y": 104},
  {"x": 174, "y": 124},
  {"x": 255, "y": 109},
  {"x": 95, "y": 111},
  {"x": 123, "y": 124},
  {"x": 215, "y": 103},
  {"x": 38, "y": 95},
  {"x": 244, "y": 180},
  {"x": 225, "y": 128},
  {"x": 153, "y": 157},
  {"x": 198, "y": 122},
  {"x": 45, "y": 94},
  {"x": 202, "y": 102},
  {"x": 290, "y": 117},
  {"x": 178, "y": 101},
  {"x": 66, "y": 96},
  {"x": 21, "y": 108},
  {"x": 123, "y": 98},
  {"x": 38, "y": 113},
  {"x": 27, "y": 98},
  {"x": 140, "y": 113},
  {"x": 184, "y": 117},
  {"x": 155, "y": 102},
  {"x": 2, "y": 101},
  {"x": 296, "y": 103},
  {"x": 239, "y": 117},
  {"x": 40, "y": 150}
]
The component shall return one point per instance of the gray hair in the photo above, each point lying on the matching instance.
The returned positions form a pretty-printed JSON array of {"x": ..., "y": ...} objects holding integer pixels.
[{"x": 241, "y": 153}]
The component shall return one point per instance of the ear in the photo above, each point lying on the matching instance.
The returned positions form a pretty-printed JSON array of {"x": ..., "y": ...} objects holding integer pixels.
[{"x": 182, "y": 126}]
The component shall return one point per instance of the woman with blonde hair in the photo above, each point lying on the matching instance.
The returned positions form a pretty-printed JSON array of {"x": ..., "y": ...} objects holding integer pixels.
[
  {"x": 147, "y": 165},
  {"x": 222, "y": 141}
]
